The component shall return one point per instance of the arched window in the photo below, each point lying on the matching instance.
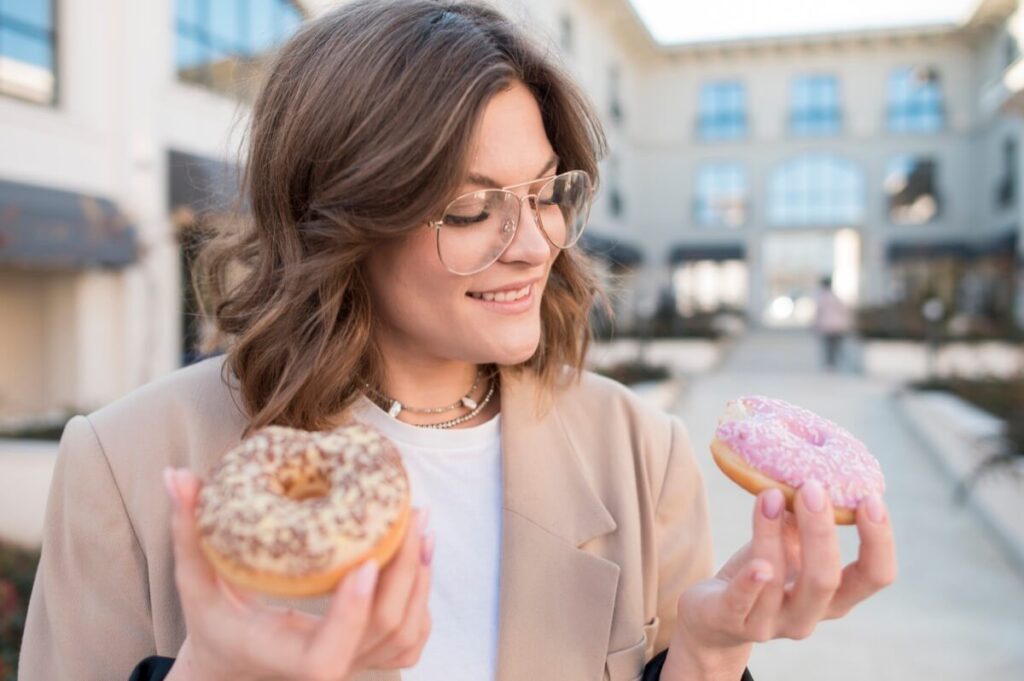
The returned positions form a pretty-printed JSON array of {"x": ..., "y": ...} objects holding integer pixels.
[{"x": 816, "y": 189}]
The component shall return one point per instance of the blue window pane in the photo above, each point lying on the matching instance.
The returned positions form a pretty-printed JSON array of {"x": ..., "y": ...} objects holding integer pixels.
[
  {"x": 816, "y": 189},
  {"x": 915, "y": 101},
  {"x": 29, "y": 49},
  {"x": 37, "y": 13},
  {"x": 263, "y": 25},
  {"x": 815, "y": 108},
  {"x": 188, "y": 12},
  {"x": 215, "y": 31},
  {"x": 225, "y": 27},
  {"x": 721, "y": 195},
  {"x": 290, "y": 19},
  {"x": 722, "y": 111},
  {"x": 191, "y": 53}
]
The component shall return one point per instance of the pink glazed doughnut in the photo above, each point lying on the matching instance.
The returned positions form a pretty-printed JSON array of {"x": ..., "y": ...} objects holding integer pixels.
[{"x": 761, "y": 442}]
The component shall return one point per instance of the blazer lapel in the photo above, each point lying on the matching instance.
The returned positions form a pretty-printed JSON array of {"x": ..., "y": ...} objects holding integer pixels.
[{"x": 556, "y": 600}]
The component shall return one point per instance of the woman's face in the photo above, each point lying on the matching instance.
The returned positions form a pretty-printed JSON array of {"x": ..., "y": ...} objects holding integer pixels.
[{"x": 426, "y": 311}]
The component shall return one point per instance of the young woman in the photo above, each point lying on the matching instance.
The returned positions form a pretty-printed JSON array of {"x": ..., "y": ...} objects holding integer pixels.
[{"x": 419, "y": 174}]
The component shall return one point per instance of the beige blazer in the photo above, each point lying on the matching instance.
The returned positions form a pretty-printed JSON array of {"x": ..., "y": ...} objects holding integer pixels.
[{"x": 605, "y": 523}]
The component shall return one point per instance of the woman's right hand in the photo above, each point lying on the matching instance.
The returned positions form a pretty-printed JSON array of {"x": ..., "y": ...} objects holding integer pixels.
[{"x": 372, "y": 622}]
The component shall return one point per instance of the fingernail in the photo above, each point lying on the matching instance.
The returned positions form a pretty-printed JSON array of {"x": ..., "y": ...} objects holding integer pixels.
[
  {"x": 762, "y": 575},
  {"x": 814, "y": 496},
  {"x": 421, "y": 523},
  {"x": 876, "y": 508},
  {"x": 427, "y": 549},
  {"x": 772, "y": 503},
  {"x": 172, "y": 490},
  {"x": 180, "y": 478},
  {"x": 366, "y": 578}
]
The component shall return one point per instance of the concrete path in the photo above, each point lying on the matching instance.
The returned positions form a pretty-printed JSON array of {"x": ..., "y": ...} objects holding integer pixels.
[{"x": 956, "y": 611}]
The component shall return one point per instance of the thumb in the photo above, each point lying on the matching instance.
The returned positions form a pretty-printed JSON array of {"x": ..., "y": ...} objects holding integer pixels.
[{"x": 336, "y": 643}]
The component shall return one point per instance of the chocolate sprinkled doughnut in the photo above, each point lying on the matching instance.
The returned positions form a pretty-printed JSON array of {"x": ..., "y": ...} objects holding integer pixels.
[{"x": 289, "y": 512}]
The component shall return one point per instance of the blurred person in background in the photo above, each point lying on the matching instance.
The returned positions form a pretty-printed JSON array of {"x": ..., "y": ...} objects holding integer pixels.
[
  {"x": 419, "y": 174},
  {"x": 832, "y": 320}
]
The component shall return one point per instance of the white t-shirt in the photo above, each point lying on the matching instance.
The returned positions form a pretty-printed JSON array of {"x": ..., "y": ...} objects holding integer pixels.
[{"x": 457, "y": 474}]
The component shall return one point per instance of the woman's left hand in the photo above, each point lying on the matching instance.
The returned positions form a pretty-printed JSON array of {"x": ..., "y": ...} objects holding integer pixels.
[{"x": 797, "y": 556}]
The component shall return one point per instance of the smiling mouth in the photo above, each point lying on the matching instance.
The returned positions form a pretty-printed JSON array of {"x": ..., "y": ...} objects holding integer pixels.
[{"x": 502, "y": 296}]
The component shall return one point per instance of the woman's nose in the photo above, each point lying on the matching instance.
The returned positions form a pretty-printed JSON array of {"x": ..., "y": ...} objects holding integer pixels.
[{"x": 529, "y": 244}]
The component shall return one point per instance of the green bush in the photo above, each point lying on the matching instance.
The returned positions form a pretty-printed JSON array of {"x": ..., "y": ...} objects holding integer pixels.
[
  {"x": 635, "y": 372},
  {"x": 17, "y": 572}
]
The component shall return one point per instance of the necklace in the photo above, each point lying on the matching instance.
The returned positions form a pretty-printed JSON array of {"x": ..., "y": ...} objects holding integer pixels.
[
  {"x": 462, "y": 419},
  {"x": 397, "y": 407}
]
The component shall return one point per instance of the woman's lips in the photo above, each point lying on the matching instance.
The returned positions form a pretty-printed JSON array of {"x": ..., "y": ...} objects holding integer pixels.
[{"x": 517, "y": 306}]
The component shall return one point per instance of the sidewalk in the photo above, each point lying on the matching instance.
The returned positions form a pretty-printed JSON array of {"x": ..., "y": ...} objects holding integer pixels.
[{"x": 956, "y": 611}]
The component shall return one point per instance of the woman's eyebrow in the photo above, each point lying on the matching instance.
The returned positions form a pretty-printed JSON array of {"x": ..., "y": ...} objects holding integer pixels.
[{"x": 484, "y": 181}]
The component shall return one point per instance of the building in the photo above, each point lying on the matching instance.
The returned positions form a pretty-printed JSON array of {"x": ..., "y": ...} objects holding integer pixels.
[
  {"x": 118, "y": 121},
  {"x": 740, "y": 172}
]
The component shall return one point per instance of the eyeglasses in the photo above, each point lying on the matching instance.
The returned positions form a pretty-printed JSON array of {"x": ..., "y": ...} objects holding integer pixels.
[{"x": 476, "y": 228}]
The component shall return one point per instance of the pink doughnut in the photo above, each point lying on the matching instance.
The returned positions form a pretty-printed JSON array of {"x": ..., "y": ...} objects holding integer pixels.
[{"x": 761, "y": 442}]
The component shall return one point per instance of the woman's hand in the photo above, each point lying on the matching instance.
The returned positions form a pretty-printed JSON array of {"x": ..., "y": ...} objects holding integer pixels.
[
  {"x": 784, "y": 581},
  {"x": 371, "y": 622}
]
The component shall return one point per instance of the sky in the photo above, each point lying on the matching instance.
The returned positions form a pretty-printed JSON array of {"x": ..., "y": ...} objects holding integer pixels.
[{"x": 675, "y": 21}]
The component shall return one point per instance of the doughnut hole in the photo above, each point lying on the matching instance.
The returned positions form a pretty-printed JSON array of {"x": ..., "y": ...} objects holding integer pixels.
[{"x": 299, "y": 483}]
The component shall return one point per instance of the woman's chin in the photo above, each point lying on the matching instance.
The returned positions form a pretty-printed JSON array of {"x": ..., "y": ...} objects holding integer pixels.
[{"x": 516, "y": 354}]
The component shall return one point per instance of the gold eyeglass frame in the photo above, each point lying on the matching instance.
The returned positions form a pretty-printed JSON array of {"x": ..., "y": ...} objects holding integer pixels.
[{"x": 438, "y": 224}]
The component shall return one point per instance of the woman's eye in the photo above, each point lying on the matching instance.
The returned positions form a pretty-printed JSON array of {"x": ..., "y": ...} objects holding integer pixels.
[{"x": 462, "y": 220}]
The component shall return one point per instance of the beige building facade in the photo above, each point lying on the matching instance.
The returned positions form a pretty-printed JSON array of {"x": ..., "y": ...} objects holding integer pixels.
[{"x": 742, "y": 172}]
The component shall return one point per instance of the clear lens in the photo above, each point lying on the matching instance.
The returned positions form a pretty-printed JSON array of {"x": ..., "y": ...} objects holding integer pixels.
[
  {"x": 477, "y": 228},
  {"x": 564, "y": 206}
]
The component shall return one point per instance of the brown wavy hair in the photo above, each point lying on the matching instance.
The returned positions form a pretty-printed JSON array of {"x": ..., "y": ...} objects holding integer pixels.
[{"x": 360, "y": 133}]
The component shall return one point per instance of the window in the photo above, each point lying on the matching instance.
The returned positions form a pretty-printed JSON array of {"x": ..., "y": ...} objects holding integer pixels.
[
  {"x": 915, "y": 101},
  {"x": 615, "y": 203},
  {"x": 912, "y": 190},
  {"x": 615, "y": 106},
  {"x": 1006, "y": 190},
  {"x": 1011, "y": 51},
  {"x": 565, "y": 33},
  {"x": 815, "y": 106},
  {"x": 818, "y": 190},
  {"x": 722, "y": 113},
  {"x": 721, "y": 195},
  {"x": 27, "y": 46},
  {"x": 220, "y": 42}
]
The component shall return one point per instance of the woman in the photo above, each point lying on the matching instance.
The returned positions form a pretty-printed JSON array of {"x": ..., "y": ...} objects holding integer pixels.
[{"x": 418, "y": 174}]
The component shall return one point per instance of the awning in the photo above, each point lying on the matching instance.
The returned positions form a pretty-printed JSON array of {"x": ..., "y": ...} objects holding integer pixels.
[
  {"x": 691, "y": 252},
  {"x": 613, "y": 251},
  {"x": 952, "y": 248},
  {"x": 56, "y": 229}
]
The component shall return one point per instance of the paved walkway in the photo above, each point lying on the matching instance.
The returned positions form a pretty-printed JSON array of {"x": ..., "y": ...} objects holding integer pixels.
[{"x": 956, "y": 611}]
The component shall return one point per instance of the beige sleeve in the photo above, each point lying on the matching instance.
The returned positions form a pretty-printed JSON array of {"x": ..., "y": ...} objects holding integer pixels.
[
  {"x": 88, "y": 615},
  {"x": 682, "y": 531}
]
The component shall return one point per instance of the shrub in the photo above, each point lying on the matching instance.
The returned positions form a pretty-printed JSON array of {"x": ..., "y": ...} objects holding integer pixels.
[{"x": 17, "y": 572}]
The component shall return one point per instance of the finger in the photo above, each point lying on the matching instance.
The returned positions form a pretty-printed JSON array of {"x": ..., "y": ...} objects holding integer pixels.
[
  {"x": 239, "y": 599},
  {"x": 821, "y": 570},
  {"x": 741, "y": 595},
  {"x": 396, "y": 583},
  {"x": 769, "y": 544},
  {"x": 334, "y": 645},
  {"x": 195, "y": 577},
  {"x": 407, "y": 637},
  {"x": 875, "y": 567}
]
